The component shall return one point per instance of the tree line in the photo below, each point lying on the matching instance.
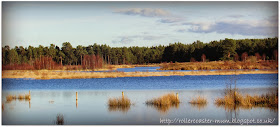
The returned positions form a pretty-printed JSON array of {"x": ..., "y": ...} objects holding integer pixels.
[{"x": 95, "y": 55}]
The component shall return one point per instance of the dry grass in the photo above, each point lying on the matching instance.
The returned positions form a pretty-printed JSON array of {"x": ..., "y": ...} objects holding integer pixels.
[
  {"x": 119, "y": 104},
  {"x": 121, "y": 101},
  {"x": 20, "y": 97},
  {"x": 168, "y": 99},
  {"x": 11, "y": 97},
  {"x": 221, "y": 65},
  {"x": 164, "y": 103},
  {"x": 49, "y": 74},
  {"x": 199, "y": 100},
  {"x": 59, "y": 119},
  {"x": 234, "y": 99}
]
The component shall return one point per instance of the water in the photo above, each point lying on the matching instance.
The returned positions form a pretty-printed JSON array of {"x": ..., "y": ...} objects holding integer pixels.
[
  {"x": 58, "y": 96},
  {"x": 160, "y": 82}
]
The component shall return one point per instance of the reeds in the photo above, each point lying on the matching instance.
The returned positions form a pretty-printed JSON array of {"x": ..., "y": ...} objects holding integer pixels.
[
  {"x": 59, "y": 119},
  {"x": 199, "y": 101},
  {"x": 164, "y": 103},
  {"x": 221, "y": 65},
  {"x": 119, "y": 104},
  {"x": 235, "y": 99},
  {"x": 20, "y": 97},
  {"x": 121, "y": 101},
  {"x": 168, "y": 99}
]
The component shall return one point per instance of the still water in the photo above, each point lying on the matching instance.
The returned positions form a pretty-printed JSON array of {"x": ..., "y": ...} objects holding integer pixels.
[{"x": 58, "y": 96}]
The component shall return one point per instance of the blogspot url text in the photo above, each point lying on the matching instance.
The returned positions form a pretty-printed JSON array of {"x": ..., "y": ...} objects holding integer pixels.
[{"x": 216, "y": 121}]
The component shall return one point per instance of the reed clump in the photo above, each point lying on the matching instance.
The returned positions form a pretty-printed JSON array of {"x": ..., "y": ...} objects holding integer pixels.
[
  {"x": 119, "y": 104},
  {"x": 59, "y": 119},
  {"x": 168, "y": 99},
  {"x": 121, "y": 101},
  {"x": 20, "y": 97},
  {"x": 233, "y": 99},
  {"x": 164, "y": 103},
  {"x": 199, "y": 100}
]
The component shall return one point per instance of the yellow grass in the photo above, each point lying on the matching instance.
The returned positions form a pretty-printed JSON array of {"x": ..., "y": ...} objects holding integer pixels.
[
  {"x": 119, "y": 104},
  {"x": 49, "y": 74},
  {"x": 220, "y": 65},
  {"x": 164, "y": 103},
  {"x": 198, "y": 100},
  {"x": 168, "y": 99},
  {"x": 233, "y": 99},
  {"x": 59, "y": 119},
  {"x": 10, "y": 97},
  {"x": 121, "y": 101},
  {"x": 20, "y": 97}
]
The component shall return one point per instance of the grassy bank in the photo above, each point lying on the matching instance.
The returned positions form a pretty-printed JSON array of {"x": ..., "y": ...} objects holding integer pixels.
[
  {"x": 220, "y": 65},
  {"x": 49, "y": 74}
]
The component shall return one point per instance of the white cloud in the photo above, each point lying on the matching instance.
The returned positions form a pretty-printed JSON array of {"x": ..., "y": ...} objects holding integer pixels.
[
  {"x": 147, "y": 12},
  {"x": 130, "y": 39},
  {"x": 267, "y": 27},
  {"x": 165, "y": 16}
]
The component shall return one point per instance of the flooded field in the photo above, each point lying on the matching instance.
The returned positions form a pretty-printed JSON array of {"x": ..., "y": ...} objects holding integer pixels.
[{"x": 57, "y": 97}]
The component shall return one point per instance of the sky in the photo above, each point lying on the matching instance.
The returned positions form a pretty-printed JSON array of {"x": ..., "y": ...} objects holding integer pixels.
[{"x": 145, "y": 23}]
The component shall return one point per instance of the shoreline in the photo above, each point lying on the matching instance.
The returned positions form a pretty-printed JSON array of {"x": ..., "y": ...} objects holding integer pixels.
[{"x": 53, "y": 74}]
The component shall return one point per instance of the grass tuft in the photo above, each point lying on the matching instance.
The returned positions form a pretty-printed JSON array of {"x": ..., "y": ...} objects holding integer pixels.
[
  {"x": 20, "y": 97},
  {"x": 119, "y": 104},
  {"x": 235, "y": 99},
  {"x": 199, "y": 100},
  {"x": 59, "y": 119},
  {"x": 164, "y": 103},
  {"x": 168, "y": 99}
]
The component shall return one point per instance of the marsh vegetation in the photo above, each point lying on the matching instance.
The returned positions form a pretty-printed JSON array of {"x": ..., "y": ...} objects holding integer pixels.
[{"x": 122, "y": 103}]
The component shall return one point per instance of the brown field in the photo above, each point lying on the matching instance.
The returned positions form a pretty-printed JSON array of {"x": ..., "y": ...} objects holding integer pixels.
[{"x": 52, "y": 74}]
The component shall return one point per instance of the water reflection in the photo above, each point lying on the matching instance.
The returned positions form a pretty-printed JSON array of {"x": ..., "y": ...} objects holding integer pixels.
[
  {"x": 231, "y": 108},
  {"x": 164, "y": 108},
  {"x": 199, "y": 106},
  {"x": 123, "y": 109}
]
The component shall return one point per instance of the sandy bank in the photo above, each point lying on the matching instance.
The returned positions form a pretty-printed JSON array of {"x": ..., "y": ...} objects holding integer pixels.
[{"x": 49, "y": 74}]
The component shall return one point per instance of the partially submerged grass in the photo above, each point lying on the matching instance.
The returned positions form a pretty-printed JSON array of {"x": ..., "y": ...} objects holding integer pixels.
[
  {"x": 20, "y": 97},
  {"x": 168, "y": 99},
  {"x": 59, "y": 119},
  {"x": 121, "y": 101},
  {"x": 165, "y": 102},
  {"x": 199, "y": 100},
  {"x": 119, "y": 104},
  {"x": 234, "y": 99}
]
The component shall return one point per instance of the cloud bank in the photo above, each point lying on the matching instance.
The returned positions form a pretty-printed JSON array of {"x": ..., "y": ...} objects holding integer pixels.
[
  {"x": 266, "y": 27},
  {"x": 147, "y": 12}
]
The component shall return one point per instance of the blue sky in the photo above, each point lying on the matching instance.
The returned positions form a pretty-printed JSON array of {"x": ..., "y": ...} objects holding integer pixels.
[{"x": 135, "y": 23}]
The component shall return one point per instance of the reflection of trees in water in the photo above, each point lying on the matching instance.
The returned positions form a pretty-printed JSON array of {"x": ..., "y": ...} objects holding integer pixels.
[{"x": 164, "y": 108}]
